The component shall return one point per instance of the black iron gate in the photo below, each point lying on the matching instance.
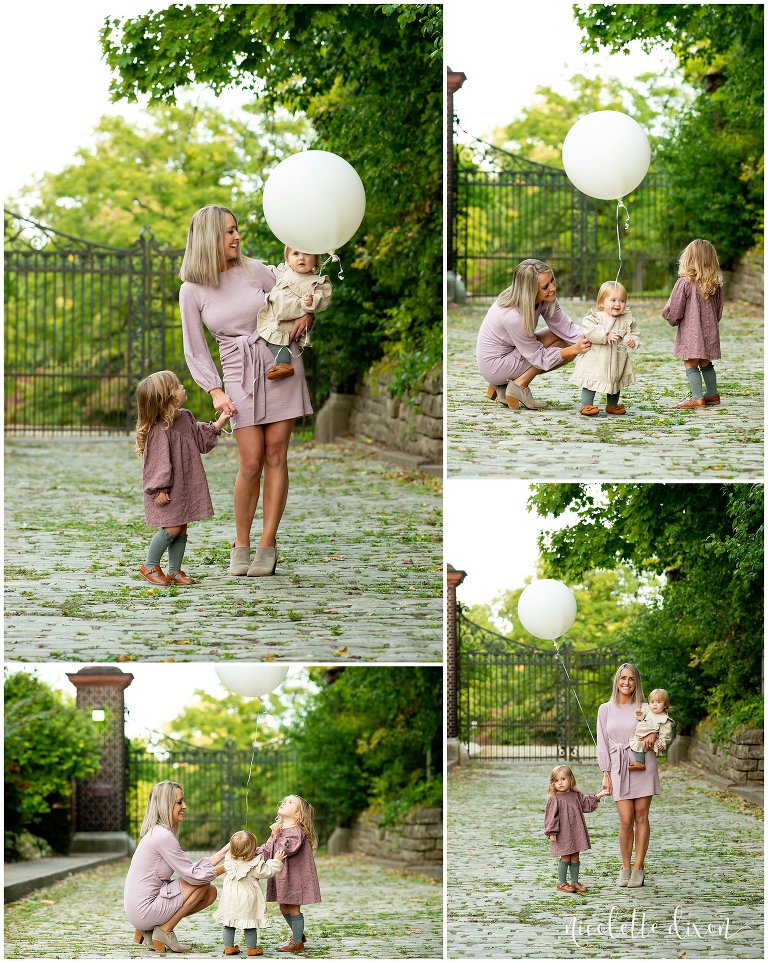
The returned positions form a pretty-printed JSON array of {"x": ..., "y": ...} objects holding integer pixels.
[
  {"x": 84, "y": 323},
  {"x": 507, "y": 208},
  {"x": 515, "y": 700},
  {"x": 225, "y": 789}
]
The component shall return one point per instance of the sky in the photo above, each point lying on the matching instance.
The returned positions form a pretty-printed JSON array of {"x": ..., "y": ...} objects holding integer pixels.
[
  {"x": 490, "y": 535},
  {"x": 158, "y": 693},
  {"x": 51, "y": 56},
  {"x": 508, "y": 49}
]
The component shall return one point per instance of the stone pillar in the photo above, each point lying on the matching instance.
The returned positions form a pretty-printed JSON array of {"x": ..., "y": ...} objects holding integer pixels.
[
  {"x": 455, "y": 81},
  {"x": 454, "y": 578},
  {"x": 99, "y": 807}
]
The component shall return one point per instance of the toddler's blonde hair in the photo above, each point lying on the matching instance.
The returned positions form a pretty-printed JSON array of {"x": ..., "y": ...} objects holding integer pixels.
[
  {"x": 555, "y": 773},
  {"x": 660, "y": 694},
  {"x": 606, "y": 288},
  {"x": 699, "y": 263},
  {"x": 155, "y": 402},
  {"x": 243, "y": 845}
]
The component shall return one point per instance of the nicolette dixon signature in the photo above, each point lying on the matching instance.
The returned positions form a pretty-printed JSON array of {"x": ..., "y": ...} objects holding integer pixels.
[{"x": 620, "y": 925}]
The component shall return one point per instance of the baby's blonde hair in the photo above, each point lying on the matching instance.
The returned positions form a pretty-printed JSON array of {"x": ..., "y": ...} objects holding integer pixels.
[
  {"x": 660, "y": 694},
  {"x": 243, "y": 845},
  {"x": 606, "y": 288},
  {"x": 288, "y": 249},
  {"x": 554, "y": 774},
  {"x": 699, "y": 263},
  {"x": 155, "y": 402}
]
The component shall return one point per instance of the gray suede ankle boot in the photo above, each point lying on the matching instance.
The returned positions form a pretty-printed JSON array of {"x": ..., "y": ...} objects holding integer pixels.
[
  {"x": 265, "y": 562},
  {"x": 239, "y": 559}
]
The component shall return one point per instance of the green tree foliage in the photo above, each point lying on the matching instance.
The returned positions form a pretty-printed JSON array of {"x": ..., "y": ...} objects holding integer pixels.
[
  {"x": 48, "y": 744},
  {"x": 371, "y": 736},
  {"x": 714, "y": 157},
  {"x": 701, "y": 637},
  {"x": 369, "y": 77}
]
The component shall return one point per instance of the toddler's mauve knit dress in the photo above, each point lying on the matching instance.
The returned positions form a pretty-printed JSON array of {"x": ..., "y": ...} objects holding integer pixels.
[
  {"x": 615, "y": 725},
  {"x": 229, "y": 312},
  {"x": 298, "y": 884},
  {"x": 564, "y": 816}
]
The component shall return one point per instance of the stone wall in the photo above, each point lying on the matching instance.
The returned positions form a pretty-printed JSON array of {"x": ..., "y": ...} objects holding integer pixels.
[
  {"x": 740, "y": 760},
  {"x": 417, "y": 843},
  {"x": 745, "y": 282},
  {"x": 412, "y": 424}
]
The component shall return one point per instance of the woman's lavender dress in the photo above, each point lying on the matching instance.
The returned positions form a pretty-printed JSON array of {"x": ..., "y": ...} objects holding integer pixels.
[{"x": 615, "y": 725}]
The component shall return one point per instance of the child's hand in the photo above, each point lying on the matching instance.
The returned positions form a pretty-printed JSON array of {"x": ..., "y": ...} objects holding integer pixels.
[
  {"x": 162, "y": 498},
  {"x": 603, "y": 792},
  {"x": 611, "y": 337},
  {"x": 280, "y": 854},
  {"x": 275, "y": 827},
  {"x": 638, "y": 713},
  {"x": 631, "y": 343},
  {"x": 221, "y": 421},
  {"x": 552, "y": 838},
  {"x": 308, "y": 299}
]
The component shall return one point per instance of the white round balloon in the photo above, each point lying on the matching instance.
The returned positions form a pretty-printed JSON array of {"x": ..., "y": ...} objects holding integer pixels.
[
  {"x": 314, "y": 201},
  {"x": 606, "y": 154},
  {"x": 547, "y": 608},
  {"x": 251, "y": 680}
]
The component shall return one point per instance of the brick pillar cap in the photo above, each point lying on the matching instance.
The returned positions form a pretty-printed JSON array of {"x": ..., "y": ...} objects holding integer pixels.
[
  {"x": 455, "y": 576},
  {"x": 106, "y": 675}
]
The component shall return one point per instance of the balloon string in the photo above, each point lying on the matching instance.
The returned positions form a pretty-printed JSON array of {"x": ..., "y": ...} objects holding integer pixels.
[
  {"x": 248, "y": 782},
  {"x": 570, "y": 680},
  {"x": 337, "y": 259},
  {"x": 620, "y": 203}
]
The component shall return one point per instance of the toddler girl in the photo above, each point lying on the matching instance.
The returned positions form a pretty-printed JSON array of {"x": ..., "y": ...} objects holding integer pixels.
[
  {"x": 695, "y": 308},
  {"x": 298, "y": 290},
  {"x": 611, "y": 329},
  {"x": 564, "y": 825},
  {"x": 242, "y": 902},
  {"x": 294, "y": 833},
  {"x": 653, "y": 717},
  {"x": 175, "y": 486}
]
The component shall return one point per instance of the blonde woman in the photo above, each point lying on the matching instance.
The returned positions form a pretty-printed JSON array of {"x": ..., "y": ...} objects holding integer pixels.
[
  {"x": 695, "y": 308},
  {"x": 510, "y": 354},
  {"x": 632, "y": 791},
  {"x": 154, "y": 903},
  {"x": 224, "y": 291}
]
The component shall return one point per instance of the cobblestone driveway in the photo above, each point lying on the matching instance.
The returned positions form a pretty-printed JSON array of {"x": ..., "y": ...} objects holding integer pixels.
[
  {"x": 703, "y": 896},
  {"x": 654, "y": 441},
  {"x": 360, "y": 575},
  {"x": 367, "y": 911}
]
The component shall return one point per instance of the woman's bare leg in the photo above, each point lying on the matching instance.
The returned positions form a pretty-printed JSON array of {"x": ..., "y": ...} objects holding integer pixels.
[
  {"x": 642, "y": 829},
  {"x": 250, "y": 448},
  {"x": 196, "y": 898},
  {"x": 548, "y": 340},
  {"x": 276, "y": 439},
  {"x": 626, "y": 810}
]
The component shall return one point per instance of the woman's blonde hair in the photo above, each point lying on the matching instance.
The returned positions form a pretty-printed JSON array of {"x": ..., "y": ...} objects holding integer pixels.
[
  {"x": 205, "y": 246},
  {"x": 521, "y": 294},
  {"x": 606, "y": 288},
  {"x": 316, "y": 268},
  {"x": 554, "y": 774},
  {"x": 155, "y": 402},
  {"x": 637, "y": 698},
  {"x": 243, "y": 845},
  {"x": 661, "y": 694},
  {"x": 699, "y": 263},
  {"x": 162, "y": 799},
  {"x": 305, "y": 818}
]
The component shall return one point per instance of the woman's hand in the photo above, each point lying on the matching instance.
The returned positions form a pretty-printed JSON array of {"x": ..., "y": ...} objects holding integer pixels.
[
  {"x": 650, "y": 741},
  {"x": 582, "y": 346},
  {"x": 607, "y": 782},
  {"x": 162, "y": 498},
  {"x": 301, "y": 326},
  {"x": 222, "y": 402}
]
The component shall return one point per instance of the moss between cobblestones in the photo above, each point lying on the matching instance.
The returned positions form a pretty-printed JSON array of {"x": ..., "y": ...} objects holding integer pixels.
[
  {"x": 359, "y": 541},
  {"x": 654, "y": 440},
  {"x": 366, "y": 911},
  {"x": 705, "y": 858}
]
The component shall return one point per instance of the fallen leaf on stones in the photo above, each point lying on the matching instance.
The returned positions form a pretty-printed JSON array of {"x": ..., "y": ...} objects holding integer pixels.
[
  {"x": 334, "y": 558},
  {"x": 125, "y": 658},
  {"x": 269, "y": 658},
  {"x": 342, "y": 651},
  {"x": 169, "y": 660},
  {"x": 407, "y": 561}
]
